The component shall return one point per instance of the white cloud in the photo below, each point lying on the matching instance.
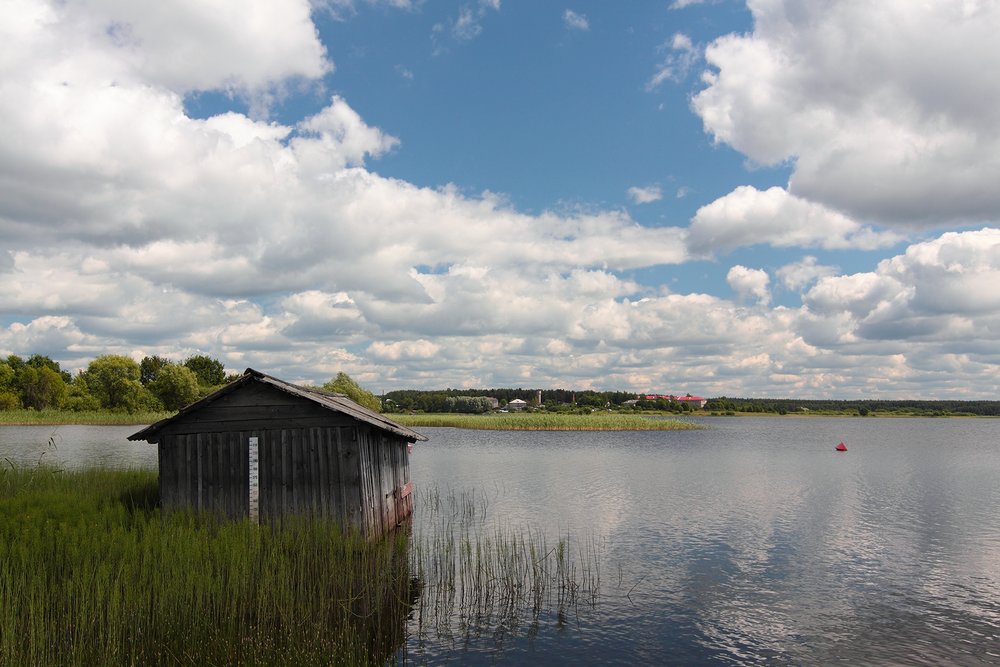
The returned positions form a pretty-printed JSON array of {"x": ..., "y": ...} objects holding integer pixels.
[
  {"x": 128, "y": 227},
  {"x": 748, "y": 216},
  {"x": 749, "y": 283},
  {"x": 468, "y": 24},
  {"x": 575, "y": 21},
  {"x": 337, "y": 137},
  {"x": 936, "y": 298},
  {"x": 681, "y": 56},
  {"x": 645, "y": 195},
  {"x": 808, "y": 270},
  {"x": 890, "y": 114}
]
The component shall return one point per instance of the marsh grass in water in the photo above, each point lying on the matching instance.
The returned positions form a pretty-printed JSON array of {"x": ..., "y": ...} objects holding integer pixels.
[
  {"x": 483, "y": 578},
  {"x": 91, "y": 573},
  {"x": 542, "y": 421}
]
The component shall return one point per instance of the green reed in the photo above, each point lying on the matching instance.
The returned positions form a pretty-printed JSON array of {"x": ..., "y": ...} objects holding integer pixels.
[
  {"x": 484, "y": 577},
  {"x": 543, "y": 421},
  {"x": 91, "y": 573}
]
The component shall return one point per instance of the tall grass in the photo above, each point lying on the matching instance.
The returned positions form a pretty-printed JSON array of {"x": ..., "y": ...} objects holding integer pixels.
[
  {"x": 90, "y": 573},
  {"x": 98, "y": 417},
  {"x": 543, "y": 421},
  {"x": 483, "y": 578}
]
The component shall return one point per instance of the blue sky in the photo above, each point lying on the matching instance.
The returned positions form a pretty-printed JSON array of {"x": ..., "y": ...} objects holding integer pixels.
[{"x": 763, "y": 198}]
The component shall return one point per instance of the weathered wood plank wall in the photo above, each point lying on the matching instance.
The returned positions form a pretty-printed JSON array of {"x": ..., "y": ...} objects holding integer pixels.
[{"x": 311, "y": 460}]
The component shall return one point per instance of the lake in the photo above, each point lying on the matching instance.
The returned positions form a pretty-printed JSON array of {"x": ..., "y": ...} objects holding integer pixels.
[{"x": 750, "y": 541}]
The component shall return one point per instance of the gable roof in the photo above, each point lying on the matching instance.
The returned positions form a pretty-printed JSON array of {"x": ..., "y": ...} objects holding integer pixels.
[{"x": 329, "y": 400}]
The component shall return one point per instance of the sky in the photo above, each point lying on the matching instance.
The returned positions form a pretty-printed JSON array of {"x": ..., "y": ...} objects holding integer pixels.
[{"x": 776, "y": 198}]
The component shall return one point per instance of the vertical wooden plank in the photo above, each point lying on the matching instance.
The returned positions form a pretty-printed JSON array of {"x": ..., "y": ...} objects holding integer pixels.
[
  {"x": 185, "y": 464},
  {"x": 336, "y": 485},
  {"x": 231, "y": 482},
  {"x": 163, "y": 472},
  {"x": 300, "y": 487},
  {"x": 265, "y": 474},
  {"x": 199, "y": 477},
  {"x": 286, "y": 472},
  {"x": 323, "y": 471},
  {"x": 211, "y": 469},
  {"x": 312, "y": 470},
  {"x": 342, "y": 453},
  {"x": 274, "y": 446}
]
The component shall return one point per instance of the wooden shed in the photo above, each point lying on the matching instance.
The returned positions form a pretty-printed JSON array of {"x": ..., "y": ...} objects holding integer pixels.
[{"x": 261, "y": 447}]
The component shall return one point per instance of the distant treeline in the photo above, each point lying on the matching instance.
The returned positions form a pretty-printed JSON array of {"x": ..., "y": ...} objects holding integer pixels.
[
  {"x": 860, "y": 407},
  {"x": 445, "y": 400},
  {"x": 457, "y": 400}
]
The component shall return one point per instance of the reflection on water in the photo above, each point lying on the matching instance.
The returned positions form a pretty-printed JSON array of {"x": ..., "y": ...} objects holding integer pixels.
[
  {"x": 750, "y": 541},
  {"x": 753, "y": 541}
]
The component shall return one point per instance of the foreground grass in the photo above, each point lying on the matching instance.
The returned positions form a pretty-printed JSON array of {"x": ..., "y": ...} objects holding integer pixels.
[
  {"x": 62, "y": 417},
  {"x": 542, "y": 421},
  {"x": 91, "y": 573}
]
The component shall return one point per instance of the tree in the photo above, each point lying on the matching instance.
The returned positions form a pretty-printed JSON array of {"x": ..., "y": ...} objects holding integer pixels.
[
  {"x": 15, "y": 362},
  {"x": 9, "y": 400},
  {"x": 210, "y": 372},
  {"x": 175, "y": 386},
  {"x": 343, "y": 384},
  {"x": 41, "y": 361},
  {"x": 114, "y": 381},
  {"x": 149, "y": 369},
  {"x": 40, "y": 388},
  {"x": 79, "y": 398}
]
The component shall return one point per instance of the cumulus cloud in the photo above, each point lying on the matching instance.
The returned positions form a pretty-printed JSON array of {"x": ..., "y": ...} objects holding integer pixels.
[
  {"x": 890, "y": 114},
  {"x": 749, "y": 283},
  {"x": 645, "y": 195},
  {"x": 129, "y": 227},
  {"x": 799, "y": 274},
  {"x": 936, "y": 294},
  {"x": 748, "y": 216},
  {"x": 575, "y": 21}
]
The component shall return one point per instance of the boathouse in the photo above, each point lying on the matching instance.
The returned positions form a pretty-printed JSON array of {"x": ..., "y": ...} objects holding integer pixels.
[{"x": 261, "y": 447}]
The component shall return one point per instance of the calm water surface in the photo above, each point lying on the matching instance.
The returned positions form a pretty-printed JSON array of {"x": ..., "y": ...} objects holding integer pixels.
[{"x": 751, "y": 541}]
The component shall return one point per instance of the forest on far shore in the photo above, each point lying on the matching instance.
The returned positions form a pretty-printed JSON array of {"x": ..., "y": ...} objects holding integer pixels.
[
  {"x": 562, "y": 400},
  {"x": 118, "y": 383}
]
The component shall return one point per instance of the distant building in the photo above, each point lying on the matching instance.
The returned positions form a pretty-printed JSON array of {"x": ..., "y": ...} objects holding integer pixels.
[{"x": 517, "y": 404}]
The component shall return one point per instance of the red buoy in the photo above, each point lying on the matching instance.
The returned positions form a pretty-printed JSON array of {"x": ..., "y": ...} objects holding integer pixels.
[{"x": 841, "y": 447}]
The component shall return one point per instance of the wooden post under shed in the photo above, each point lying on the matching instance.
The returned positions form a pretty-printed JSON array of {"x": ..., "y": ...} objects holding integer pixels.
[{"x": 261, "y": 447}]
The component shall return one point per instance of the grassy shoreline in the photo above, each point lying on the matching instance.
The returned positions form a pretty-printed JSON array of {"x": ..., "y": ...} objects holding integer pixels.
[
  {"x": 542, "y": 421},
  {"x": 22, "y": 417}
]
